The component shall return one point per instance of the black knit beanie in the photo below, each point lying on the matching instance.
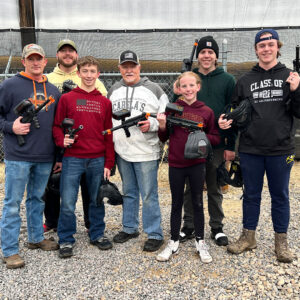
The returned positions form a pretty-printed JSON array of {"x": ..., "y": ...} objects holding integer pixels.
[{"x": 207, "y": 42}]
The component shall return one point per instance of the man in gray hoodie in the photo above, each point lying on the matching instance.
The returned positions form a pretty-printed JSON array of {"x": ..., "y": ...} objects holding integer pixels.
[{"x": 137, "y": 156}]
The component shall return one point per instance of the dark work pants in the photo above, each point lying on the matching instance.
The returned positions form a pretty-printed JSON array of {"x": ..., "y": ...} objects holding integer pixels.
[
  {"x": 214, "y": 195},
  {"x": 177, "y": 176},
  {"x": 52, "y": 205},
  {"x": 277, "y": 169}
]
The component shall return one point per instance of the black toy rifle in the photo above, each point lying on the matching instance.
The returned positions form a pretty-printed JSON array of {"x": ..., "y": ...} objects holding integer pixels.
[
  {"x": 29, "y": 114},
  {"x": 188, "y": 62},
  {"x": 67, "y": 125},
  {"x": 124, "y": 113},
  {"x": 173, "y": 109},
  {"x": 68, "y": 86},
  {"x": 296, "y": 62}
]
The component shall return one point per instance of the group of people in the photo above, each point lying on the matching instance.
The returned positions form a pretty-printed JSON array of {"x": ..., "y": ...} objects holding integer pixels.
[{"x": 89, "y": 157}]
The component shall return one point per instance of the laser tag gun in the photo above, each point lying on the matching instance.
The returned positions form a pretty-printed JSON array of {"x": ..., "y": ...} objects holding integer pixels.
[
  {"x": 188, "y": 62},
  {"x": 197, "y": 144},
  {"x": 28, "y": 112},
  {"x": 296, "y": 62},
  {"x": 124, "y": 113},
  {"x": 68, "y": 86},
  {"x": 67, "y": 125},
  {"x": 173, "y": 109}
]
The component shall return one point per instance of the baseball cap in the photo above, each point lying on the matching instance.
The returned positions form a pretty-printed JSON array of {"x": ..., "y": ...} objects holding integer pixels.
[
  {"x": 207, "y": 42},
  {"x": 66, "y": 42},
  {"x": 128, "y": 56},
  {"x": 274, "y": 35},
  {"x": 33, "y": 49}
]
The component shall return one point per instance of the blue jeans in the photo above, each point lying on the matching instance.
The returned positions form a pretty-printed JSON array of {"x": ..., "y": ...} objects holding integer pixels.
[
  {"x": 18, "y": 174},
  {"x": 72, "y": 169},
  {"x": 277, "y": 169},
  {"x": 140, "y": 178}
]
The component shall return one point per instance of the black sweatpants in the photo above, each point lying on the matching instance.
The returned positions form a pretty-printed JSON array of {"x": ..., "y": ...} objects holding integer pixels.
[{"x": 196, "y": 176}]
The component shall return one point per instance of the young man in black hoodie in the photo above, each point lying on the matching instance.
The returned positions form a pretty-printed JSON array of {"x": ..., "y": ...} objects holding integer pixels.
[
  {"x": 28, "y": 165},
  {"x": 267, "y": 145}
]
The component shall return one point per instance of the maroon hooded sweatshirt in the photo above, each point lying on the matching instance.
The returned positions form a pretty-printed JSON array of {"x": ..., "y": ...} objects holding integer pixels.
[
  {"x": 94, "y": 112},
  {"x": 197, "y": 112}
]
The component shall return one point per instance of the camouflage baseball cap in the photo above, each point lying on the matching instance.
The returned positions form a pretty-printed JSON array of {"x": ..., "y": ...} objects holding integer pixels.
[
  {"x": 66, "y": 42},
  {"x": 33, "y": 49}
]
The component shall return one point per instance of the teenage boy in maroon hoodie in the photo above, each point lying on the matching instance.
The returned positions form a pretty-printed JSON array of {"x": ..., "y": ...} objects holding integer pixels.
[{"x": 92, "y": 154}]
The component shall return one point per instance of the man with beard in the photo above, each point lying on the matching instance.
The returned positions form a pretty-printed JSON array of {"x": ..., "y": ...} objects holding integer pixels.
[{"x": 66, "y": 69}]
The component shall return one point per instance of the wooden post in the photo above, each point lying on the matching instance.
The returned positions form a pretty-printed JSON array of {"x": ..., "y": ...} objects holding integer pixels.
[{"x": 27, "y": 22}]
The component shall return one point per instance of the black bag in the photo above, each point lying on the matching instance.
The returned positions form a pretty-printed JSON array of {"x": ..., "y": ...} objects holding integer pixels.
[
  {"x": 232, "y": 177},
  {"x": 241, "y": 115},
  {"x": 197, "y": 146},
  {"x": 109, "y": 190}
]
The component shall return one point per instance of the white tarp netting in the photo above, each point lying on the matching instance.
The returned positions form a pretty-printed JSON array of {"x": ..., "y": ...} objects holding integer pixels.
[
  {"x": 235, "y": 20},
  {"x": 155, "y": 14}
]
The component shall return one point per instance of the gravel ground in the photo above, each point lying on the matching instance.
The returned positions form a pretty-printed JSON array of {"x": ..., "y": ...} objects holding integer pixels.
[{"x": 126, "y": 272}]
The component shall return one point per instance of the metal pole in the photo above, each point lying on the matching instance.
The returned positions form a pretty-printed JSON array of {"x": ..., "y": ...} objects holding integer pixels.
[
  {"x": 8, "y": 66},
  {"x": 224, "y": 55}
]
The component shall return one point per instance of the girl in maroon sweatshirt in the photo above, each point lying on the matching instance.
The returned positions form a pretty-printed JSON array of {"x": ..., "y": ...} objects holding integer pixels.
[{"x": 181, "y": 168}]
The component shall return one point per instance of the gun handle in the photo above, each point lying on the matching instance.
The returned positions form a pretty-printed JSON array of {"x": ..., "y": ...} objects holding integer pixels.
[
  {"x": 126, "y": 131},
  {"x": 21, "y": 140}
]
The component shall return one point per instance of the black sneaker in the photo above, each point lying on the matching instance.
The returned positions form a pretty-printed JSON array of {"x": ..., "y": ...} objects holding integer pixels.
[
  {"x": 123, "y": 237},
  {"x": 65, "y": 251},
  {"x": 219, "y": 237},
  {"x": 186, "y": 234},
  {"x": 152, "y": 245},
  {"x": 103, "y": 243}
]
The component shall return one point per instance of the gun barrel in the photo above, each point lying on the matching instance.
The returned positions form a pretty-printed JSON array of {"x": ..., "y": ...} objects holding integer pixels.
[
  {"x": 193, "y": 50},
  {"x": 185, "y": 123},
  {"x": 130, "y": 122},
  {"x": 42, "y": 105}
]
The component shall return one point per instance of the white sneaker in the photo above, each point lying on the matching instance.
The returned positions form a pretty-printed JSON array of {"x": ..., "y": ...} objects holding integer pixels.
[
  {"x": 202, "y": 249},
  {"x": 171, "y": 248}
]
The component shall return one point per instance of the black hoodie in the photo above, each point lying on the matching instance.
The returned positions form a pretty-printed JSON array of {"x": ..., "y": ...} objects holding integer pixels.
[{"x": 271, "y": 130}]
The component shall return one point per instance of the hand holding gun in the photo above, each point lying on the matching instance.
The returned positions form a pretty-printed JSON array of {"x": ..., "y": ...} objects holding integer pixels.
[
  {"x": 296, "y": 62},
  {"x": 28, "y": 112},
  {"x": 67, "y": 125},
  {"x": 187, "y": 63},
  {"x": 121, "y": 115}
]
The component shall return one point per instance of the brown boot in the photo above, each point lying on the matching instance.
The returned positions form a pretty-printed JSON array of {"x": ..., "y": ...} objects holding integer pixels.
[
  {"x": 46, "y": 245},
  {"x": 282, "y": 249},
  {"x": 246, "y": 241},
  {"x": 14, "y": 261}
]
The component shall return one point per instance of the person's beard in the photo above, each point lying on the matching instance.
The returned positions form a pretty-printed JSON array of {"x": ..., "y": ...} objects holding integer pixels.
[{"x": 73, "y": 63}]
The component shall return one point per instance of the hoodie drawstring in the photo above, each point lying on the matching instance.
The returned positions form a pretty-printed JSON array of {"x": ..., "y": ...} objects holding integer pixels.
[{"x": 44, "y": 79}]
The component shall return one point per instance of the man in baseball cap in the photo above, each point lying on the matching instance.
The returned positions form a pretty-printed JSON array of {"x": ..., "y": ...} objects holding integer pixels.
[
  {"x": 128, "y": 56},
  {"x": 66, "y": 42},
  {"x": 138, "y": 154},
  {"x": 32, "y": 49},
  {"x": 28, "y": 164},
  {"x": 265, "y": 148}
]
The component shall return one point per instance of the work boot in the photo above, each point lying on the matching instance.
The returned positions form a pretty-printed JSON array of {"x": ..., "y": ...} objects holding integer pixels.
[
  {"x": 282, "y": 251},
  {"x": 14, "y": 261},
  {"x": 245, "y": 242},
  {"x": 46, "y": 245}
]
